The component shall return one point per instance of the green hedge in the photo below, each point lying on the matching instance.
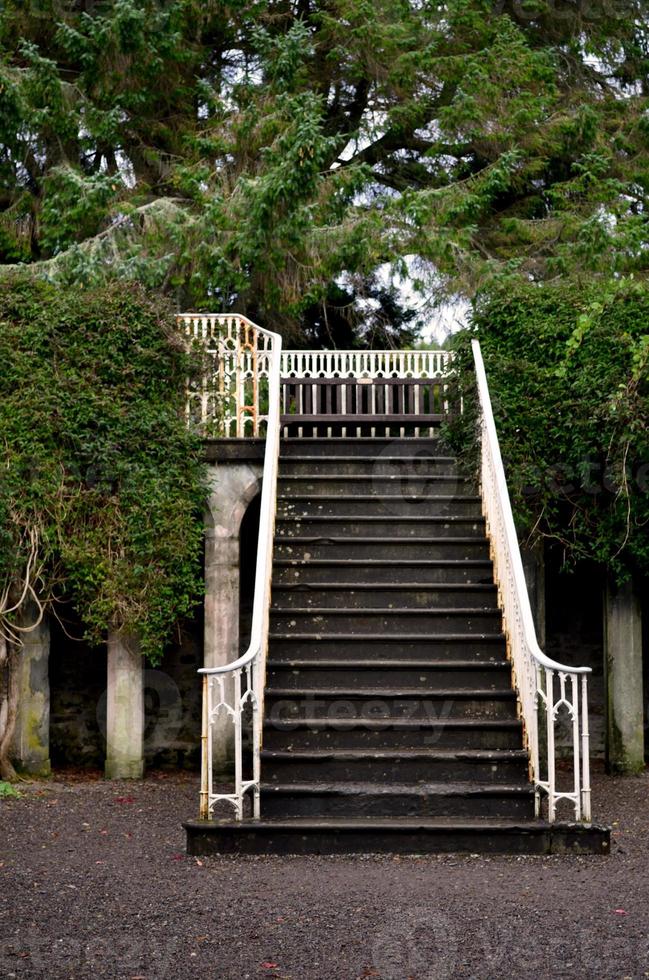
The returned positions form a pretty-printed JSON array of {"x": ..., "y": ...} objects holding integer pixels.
[
  {"x": 98, "y": 463},
  {"x": 568, "y": 370}
]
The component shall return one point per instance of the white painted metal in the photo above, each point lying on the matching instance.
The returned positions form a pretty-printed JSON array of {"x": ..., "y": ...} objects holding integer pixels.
[
  {"x": 230, "y": 398},
  {"x": 365, "y": 366},
  {"x": 559, "y": 691},
  {"x": 365, "y": 363},
  {"x": 238, "y": 688}
]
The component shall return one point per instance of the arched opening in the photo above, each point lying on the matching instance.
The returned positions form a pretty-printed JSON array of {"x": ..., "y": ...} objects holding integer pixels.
[
  {"x": 172, "y": 699},
  {"x": 77, "y": 683},
  {"x": 248, "y": 537}
]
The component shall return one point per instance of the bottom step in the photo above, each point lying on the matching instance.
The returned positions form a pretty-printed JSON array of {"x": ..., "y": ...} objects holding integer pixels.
[{"x": 311, "y": 836}]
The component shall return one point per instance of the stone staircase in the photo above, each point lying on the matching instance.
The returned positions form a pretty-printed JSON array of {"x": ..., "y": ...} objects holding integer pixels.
[{"x": 390, "y": 719}]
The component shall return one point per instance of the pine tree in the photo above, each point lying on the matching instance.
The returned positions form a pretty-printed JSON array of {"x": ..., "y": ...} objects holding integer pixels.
[{"x": 270, "y": 156}]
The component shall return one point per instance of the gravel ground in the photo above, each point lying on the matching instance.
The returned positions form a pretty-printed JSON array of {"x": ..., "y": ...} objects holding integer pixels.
[{"x": 94, "y": 882}]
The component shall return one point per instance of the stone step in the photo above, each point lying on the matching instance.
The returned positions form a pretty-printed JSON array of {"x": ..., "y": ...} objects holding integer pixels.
[
  {"x": 382, "y": 549},
  {"x": 364, "y": 703},
  {"x": 406, "y": 733},
  {"x": 388, "y": 692},
  {"x": 400, "y": 571},
  {"x": 373, "y": 484},
  {"x": 321, "y": 766},
  {"x": 313, "y": 674},
  {"x": 336, "y": 835},
  {"x": 393, "y": 504},
  {"x": 379, "y": 647},
  {"x": 364, "y": 446},
  {"x": 362, "y": 799},
  {"x": 383, "y": 465},
  {"x": 380, "y": 527},
  {"x": 327, "y": 622},
  {"x": 359, "y": 595}
]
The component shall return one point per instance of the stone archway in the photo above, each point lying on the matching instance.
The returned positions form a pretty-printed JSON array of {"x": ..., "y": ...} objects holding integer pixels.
[{"x": 233, "y": 486}]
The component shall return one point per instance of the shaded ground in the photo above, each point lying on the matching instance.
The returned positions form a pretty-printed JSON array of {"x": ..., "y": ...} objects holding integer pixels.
[{"x": 94, "y": 881}]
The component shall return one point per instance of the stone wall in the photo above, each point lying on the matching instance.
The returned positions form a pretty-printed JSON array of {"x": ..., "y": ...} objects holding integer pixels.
[
  {"x": 172, "y": 701},
  {"x": 574, "y": 633}
]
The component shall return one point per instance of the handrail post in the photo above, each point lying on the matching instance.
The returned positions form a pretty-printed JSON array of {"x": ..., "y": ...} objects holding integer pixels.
[
  {"x": 204, "y": 808},
  {"x": 576, "y": 745},
  {"x": 585, "y": 752},
  {"x": 238, "y": 746},
  {"x": 549, "y": 734}
]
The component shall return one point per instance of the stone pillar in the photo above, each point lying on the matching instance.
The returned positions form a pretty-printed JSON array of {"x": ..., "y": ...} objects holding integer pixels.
[
  {"x": 31, "y": 742},
  {"x": 124, "y": 709},
  {"x": 233, "y": 486},
  {"x": 534, "y": 568},
  {"x": 623, "y": 673}
]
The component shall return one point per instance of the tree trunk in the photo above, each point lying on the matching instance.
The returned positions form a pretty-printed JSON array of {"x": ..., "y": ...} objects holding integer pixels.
[{"x": 8, "y": 705}]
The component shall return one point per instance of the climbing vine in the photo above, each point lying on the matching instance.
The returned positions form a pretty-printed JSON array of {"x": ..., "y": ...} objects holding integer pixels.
[
  {"x": 568, "y": 369},
  {"x": 101, "y": 482}
]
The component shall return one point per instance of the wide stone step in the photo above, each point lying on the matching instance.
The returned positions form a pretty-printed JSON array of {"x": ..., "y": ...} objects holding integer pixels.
[
  {"x": 448, "y": 571},
  {"x": 358, "y": 595},
  {"x": 406, "y": 733},
  {"x": 389, "y": 766},
  {"x": 367, "y": 703},
  {"x": 379, "y": 647},
  {"x": 336, "y": 835},
  {"x": 380, "y": 527},
  {"x": 362, "y": 799},
  {"x": 308, "y": 548},
  {"x": 429, "y": 621},
  {"x": 314, "y": 674},
  {"x": 367, "y": 446},
  {"x": 373, "y": 484},
  {"x": 383, "y": 465},
  {"x": 393, "y": 504}
]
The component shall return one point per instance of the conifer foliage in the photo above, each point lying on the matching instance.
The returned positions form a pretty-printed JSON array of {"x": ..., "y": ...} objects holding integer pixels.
[{"x": 271, "y": 155}]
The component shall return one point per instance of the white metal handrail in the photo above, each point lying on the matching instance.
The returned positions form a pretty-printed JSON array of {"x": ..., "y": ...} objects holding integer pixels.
[
  {"x": 234, "y": 687},
  {"x": 543, "y": 684}
]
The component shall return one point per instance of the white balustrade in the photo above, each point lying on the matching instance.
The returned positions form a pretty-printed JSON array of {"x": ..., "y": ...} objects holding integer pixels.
[
  {"x": 365, "y": 363},
  {"x": 230, "y": 398}
]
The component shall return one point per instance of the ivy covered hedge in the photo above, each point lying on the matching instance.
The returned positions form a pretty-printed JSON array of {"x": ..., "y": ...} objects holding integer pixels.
[
  {"x": 101, "y": 483},
  {"x": 568, "y": 370}
]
